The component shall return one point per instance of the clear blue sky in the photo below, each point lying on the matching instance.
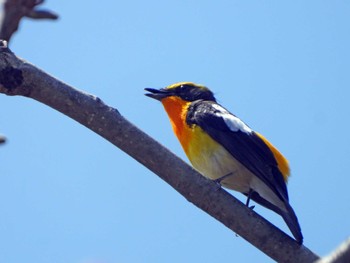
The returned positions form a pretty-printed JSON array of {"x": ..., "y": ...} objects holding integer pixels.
[{"x": 69, "y": 196}]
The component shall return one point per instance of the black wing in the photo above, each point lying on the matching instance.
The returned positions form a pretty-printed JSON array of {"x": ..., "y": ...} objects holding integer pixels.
[{"x": 237, "y": 138}]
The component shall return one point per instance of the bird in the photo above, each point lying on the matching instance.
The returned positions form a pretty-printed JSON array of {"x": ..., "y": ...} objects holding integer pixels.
[{"x": 225, "y": 149}]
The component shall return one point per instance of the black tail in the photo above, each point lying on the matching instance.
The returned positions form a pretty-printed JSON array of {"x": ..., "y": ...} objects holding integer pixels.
[
  {"x": 289, "y": 217},
  {"x": 292, "y": 221}
]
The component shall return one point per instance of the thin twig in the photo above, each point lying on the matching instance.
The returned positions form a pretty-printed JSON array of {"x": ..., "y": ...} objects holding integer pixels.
[{"x": 14, "y": 10}]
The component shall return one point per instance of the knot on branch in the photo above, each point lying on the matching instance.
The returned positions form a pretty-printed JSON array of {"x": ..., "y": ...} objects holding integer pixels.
[
  {"x": 3, "y": 44},
  {"x": 11, "y": 78}
]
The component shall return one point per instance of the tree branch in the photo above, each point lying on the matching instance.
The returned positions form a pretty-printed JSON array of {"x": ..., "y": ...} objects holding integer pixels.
[
  {"x": 14, "y": 10},
  {"x": 2, "y": 139},
  {"x": 18, "y": 77}
]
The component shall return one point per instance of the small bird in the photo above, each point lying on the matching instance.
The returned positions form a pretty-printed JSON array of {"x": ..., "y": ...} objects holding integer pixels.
[{"x": 223, "y": 148}]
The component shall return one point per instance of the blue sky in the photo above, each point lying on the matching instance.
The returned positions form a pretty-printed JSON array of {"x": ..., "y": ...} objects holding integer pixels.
[{"x": 67, "y": 195}]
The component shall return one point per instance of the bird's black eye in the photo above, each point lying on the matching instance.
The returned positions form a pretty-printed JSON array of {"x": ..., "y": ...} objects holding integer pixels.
[
  {"x": 186, "y": 92},
  {"x": 184, "y": 88},
  {"x": 191, "y": 93}
]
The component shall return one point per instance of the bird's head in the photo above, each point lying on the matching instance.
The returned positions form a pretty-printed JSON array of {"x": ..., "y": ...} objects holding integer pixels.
[{"x": 186, "y": 91}]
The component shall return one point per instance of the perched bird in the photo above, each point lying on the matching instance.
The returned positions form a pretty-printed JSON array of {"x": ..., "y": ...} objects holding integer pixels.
[{"x": 223, "y": 148}]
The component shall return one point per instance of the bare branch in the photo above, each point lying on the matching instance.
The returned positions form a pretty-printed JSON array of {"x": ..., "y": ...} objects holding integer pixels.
[
  {"x": 41, "y": 14},
  {"x": 14, "y": 10},
  {"x": 2, "y": 139},
  {"x": 18, "y": 77}
]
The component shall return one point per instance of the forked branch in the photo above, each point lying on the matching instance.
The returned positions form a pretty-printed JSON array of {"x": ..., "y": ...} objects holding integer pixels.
[{"x": 14, "y": 10}]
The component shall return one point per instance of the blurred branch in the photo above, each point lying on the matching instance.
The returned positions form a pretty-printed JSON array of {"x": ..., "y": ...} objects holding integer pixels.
[
  {"x": 340, "y": 255},
  {"x": 2, "y": 139},
  {"x": 14, "y": 10},
  {"x": 18, "y": 77}
]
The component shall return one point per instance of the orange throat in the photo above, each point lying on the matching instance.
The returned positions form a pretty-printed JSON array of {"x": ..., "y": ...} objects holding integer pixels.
[{"x": 176, "y": 109}]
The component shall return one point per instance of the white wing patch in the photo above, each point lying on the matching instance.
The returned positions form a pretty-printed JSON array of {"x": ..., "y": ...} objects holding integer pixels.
[{"x": 234, "y": 123}]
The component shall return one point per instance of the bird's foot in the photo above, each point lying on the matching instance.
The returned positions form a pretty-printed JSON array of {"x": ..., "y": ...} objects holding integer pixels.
[
  {"x": 220, "y": 179},
  {"x": 248, "y": 199}
]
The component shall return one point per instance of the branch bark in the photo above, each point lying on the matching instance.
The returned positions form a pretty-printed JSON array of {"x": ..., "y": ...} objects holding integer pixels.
[
  {"x": 14, "y": 10},
  {"x": 18, "y": 77}
]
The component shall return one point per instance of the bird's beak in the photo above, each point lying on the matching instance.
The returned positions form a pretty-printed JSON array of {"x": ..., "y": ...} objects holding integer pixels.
[{"x": 157, "y": 94}]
